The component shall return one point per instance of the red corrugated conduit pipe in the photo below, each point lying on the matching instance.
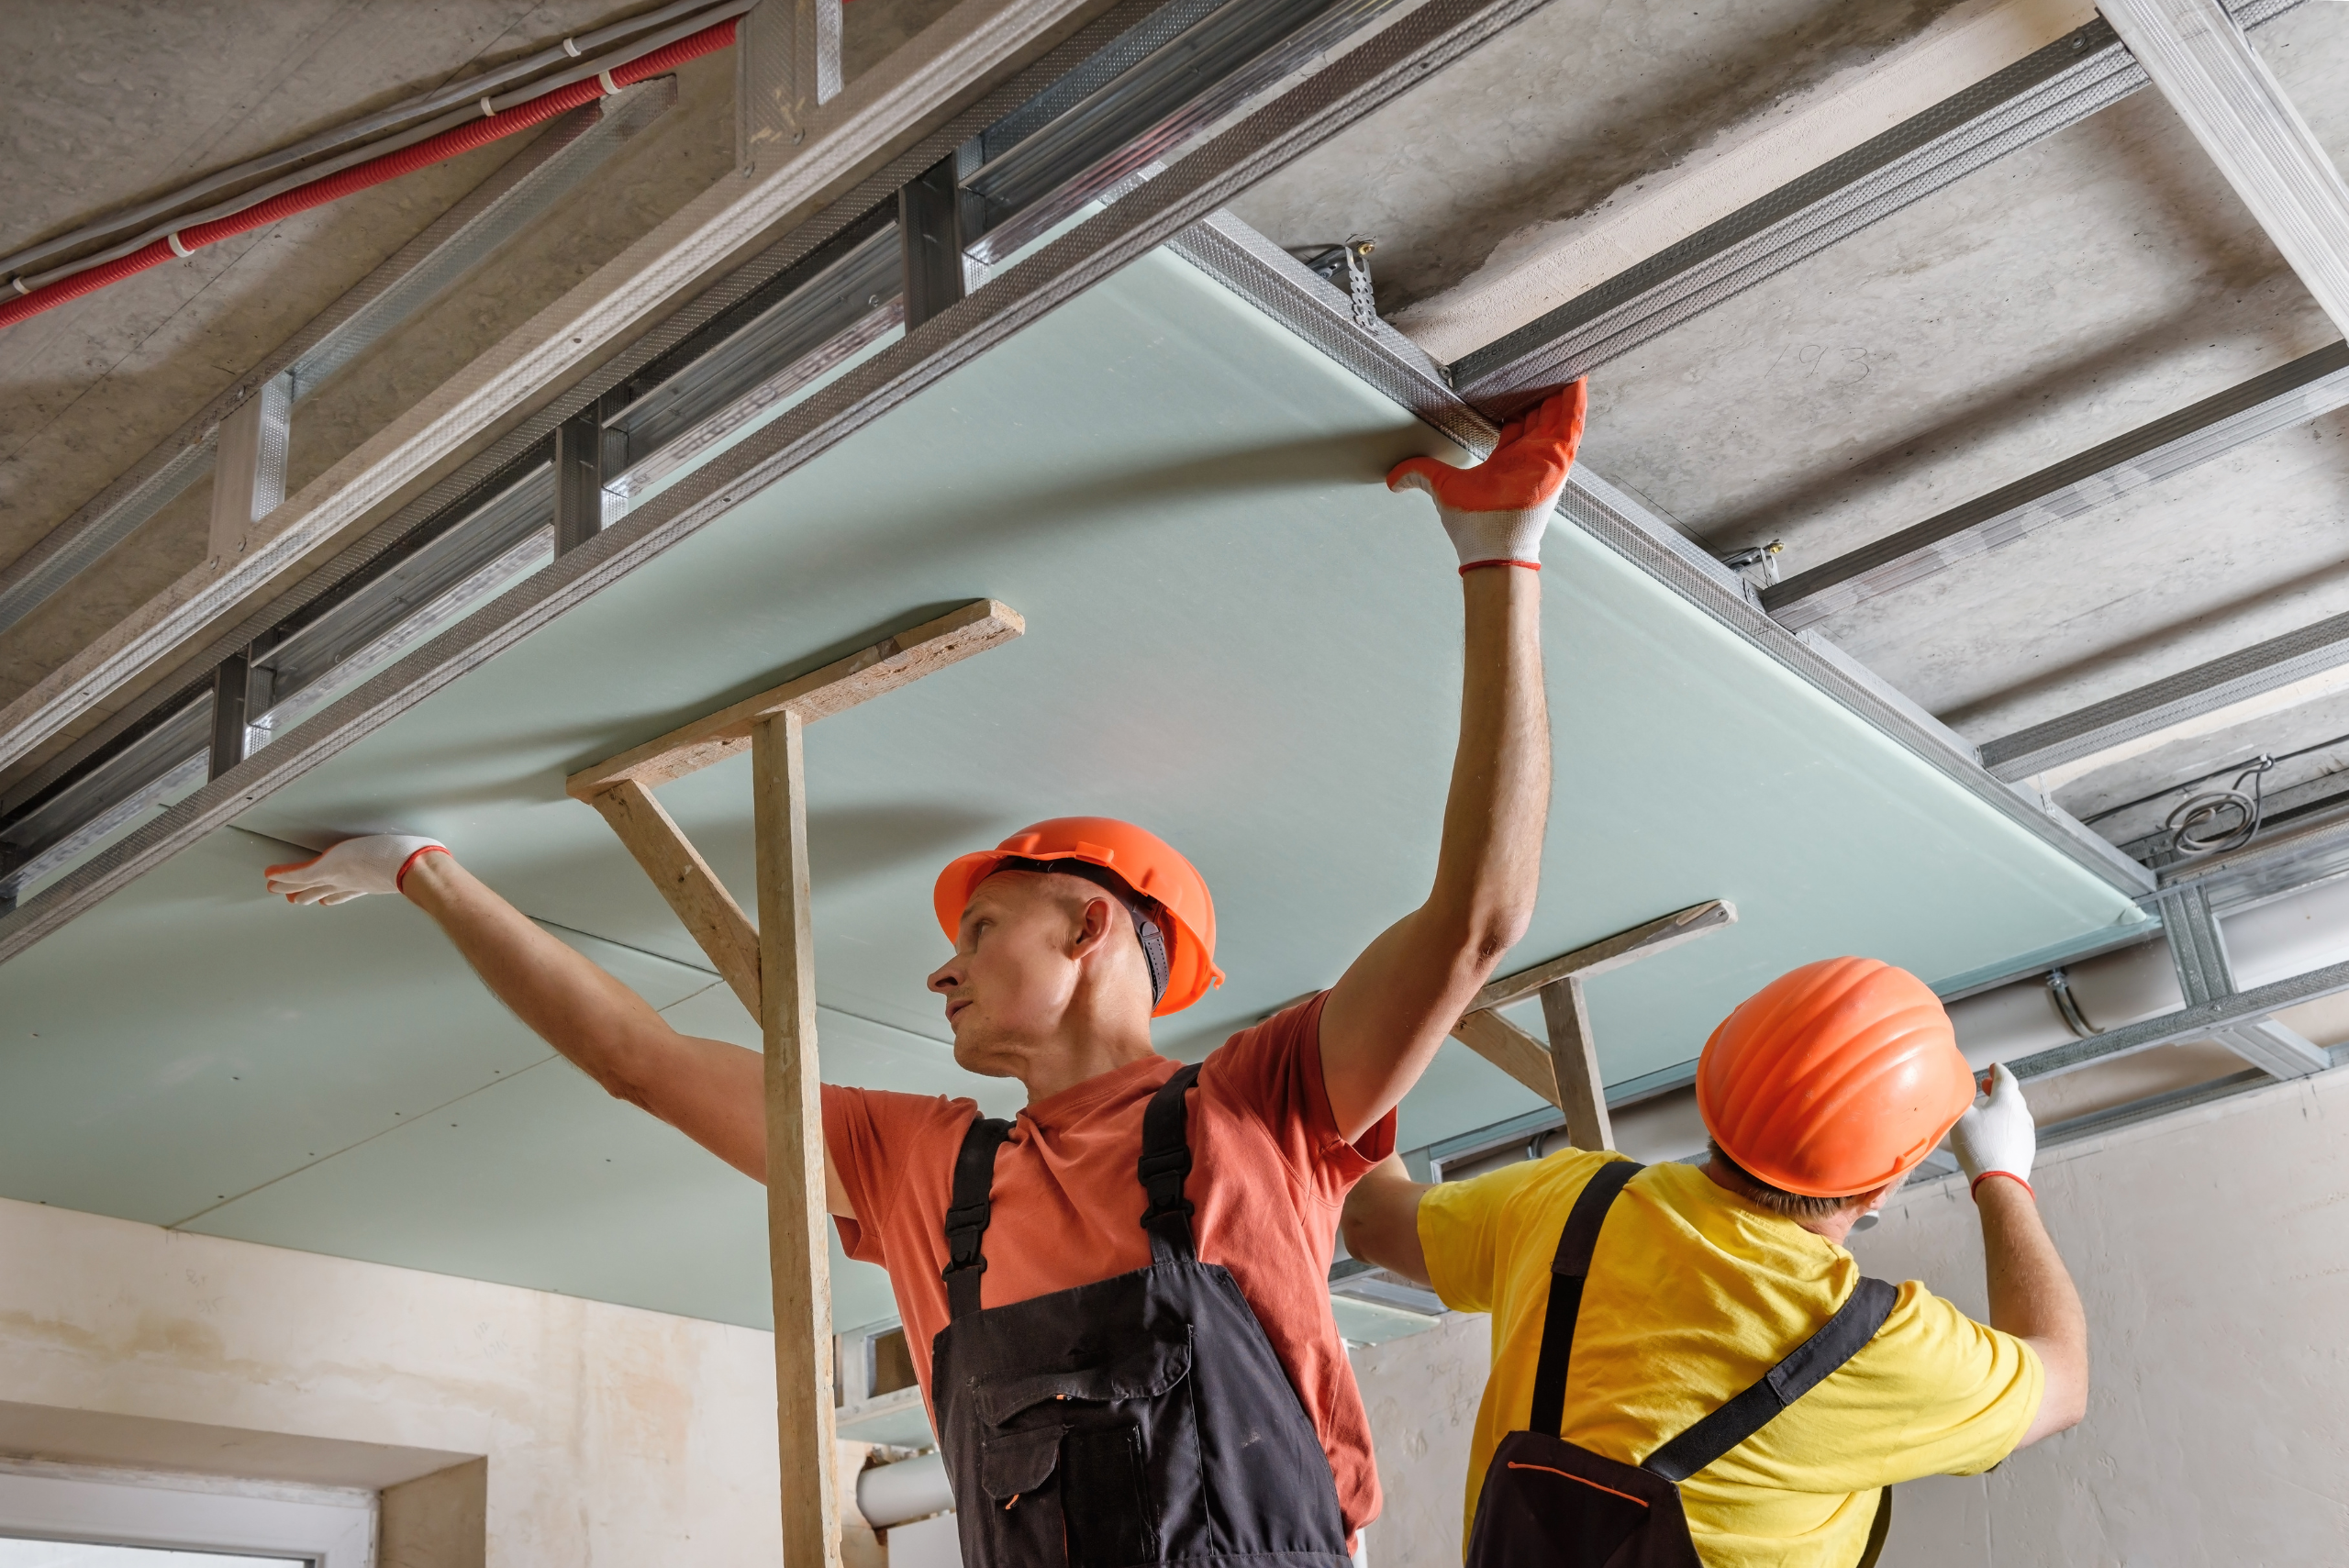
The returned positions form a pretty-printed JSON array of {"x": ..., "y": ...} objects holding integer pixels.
[{"x": 509, "y": 121}]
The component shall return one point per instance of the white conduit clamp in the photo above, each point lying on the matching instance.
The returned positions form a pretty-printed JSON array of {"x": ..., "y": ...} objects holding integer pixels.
[
  {"x": 488, "y": 110},
  {"x": 18, "y": 284},
  {"x": 172, "y": 239},
  {"x": 570, "y": 49},
  {"x": 611, "y": 88}
]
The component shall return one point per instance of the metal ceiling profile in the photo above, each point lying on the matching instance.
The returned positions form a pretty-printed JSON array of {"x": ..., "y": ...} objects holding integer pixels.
[
  {"x": 556, "y": 162},
  {"x": 2290, "y": 395},
  {"x": 2056, "y": 86},
  {"x": 1342, "y": 89}
]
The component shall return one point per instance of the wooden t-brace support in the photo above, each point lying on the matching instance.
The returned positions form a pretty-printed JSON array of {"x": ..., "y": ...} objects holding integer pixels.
[
  {"x": 1566, "y": 1071},
  {"x": 771, "y": 968}
]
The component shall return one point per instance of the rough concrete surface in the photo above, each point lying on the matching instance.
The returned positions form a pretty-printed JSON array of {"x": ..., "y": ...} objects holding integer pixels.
[
  {"x": 645, "y": 180},
  {"x": 2208, "y": 1250},
  {"x": 1550, "y": 118}
]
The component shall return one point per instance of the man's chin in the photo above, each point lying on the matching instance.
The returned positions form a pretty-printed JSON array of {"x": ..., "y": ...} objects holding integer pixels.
[{"x": 972, "y": 1054}]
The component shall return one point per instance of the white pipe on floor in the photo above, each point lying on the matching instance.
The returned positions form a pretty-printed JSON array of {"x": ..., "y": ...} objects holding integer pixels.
[
  {"x": 910, "y": 1489},
  {"x": 2268, "y": 942}
]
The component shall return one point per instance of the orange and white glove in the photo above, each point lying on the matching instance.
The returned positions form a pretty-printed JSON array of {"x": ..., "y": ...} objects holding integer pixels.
[
  {"x": 1997, "y": 1136},
  {"x": 356, "y": 866},
  {"x": 1496, "y": 512}
]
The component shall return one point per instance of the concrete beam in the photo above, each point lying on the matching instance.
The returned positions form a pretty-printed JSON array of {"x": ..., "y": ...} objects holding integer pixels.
[
  {"x": 2290, "y": 395},
  {"x": 925, "y": 83},
  {"x": 2203, "y": 64}
]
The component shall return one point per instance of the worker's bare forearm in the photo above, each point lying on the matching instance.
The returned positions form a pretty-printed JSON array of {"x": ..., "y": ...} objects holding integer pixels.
[
  {"x": 706, "y": 1088},
  {"x": 1390, "y": 1012},
  {"x": 1380, "y": 1221},
  {"x": 1488, "y": 870},
  {"x": 2032, "y": 1297}
]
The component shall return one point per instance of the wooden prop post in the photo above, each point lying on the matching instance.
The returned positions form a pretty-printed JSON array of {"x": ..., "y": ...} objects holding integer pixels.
[
  {"x": 771, "y": 968},
  {"x": 1565, "y": 1071}
]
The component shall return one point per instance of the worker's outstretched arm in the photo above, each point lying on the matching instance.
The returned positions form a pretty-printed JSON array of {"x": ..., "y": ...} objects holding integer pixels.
[
  {"x": 2031, "y": 1295},
  {"x": 710, "y": 1091},
  {"x": 1380, "y": 1223},
  {"x": 1392, "y": 1009}
]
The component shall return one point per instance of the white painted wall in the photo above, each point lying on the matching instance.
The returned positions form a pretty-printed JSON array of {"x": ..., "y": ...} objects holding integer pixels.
[
  {"x": 612, "y": 1436},
  {"x": 2213, "y": 1250}
]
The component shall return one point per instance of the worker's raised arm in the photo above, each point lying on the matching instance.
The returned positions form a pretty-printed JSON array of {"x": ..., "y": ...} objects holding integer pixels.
[
  {"x": 2032, "y": 1294},
  {"x": 706, "y": 1089},
  {"x": 1391, "y": 1010}
]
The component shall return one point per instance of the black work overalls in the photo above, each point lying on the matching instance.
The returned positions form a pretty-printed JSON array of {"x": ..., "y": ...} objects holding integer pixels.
[
  {"x": 1549, "y": 1504},
  {"x": 1138, "y": 1419}
]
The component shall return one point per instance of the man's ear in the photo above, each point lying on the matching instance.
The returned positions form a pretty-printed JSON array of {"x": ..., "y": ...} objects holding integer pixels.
[
  {"x": 1872, "y": 1201},
  {"x": 1094, "y": 926}
]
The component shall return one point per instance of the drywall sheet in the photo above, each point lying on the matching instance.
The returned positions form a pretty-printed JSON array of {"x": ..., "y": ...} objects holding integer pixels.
[{"x": 1237, "y": 637}]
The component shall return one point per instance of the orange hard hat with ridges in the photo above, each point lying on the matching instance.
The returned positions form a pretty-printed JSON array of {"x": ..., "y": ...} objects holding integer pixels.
[
  {"x": 1141, "y": 859},
  {"x": 1835, "y": 1078}
]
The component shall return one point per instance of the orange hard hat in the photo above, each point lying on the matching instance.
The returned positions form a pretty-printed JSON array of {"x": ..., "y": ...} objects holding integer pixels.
[
  {"x": 1835, "y": 1078},
  {"x": 1141, "y": 861}
]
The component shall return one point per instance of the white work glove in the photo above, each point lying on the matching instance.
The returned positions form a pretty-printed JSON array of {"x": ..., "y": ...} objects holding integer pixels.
[
  {"x": 1997, "y": 1134},
  {"x": 1496, "y": 511},
  {"x": 356, "y": 866}
]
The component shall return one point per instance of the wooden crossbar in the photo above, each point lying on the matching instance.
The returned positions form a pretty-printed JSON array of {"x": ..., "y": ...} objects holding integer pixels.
[
  {"x": 892, "y": 662},
  {"x": 1564, "y": 1070},
  {"x": 770, "y": 967}
]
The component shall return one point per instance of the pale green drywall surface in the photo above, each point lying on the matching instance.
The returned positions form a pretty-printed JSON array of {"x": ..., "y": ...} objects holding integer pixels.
[{"x": 1236, "y": 638}]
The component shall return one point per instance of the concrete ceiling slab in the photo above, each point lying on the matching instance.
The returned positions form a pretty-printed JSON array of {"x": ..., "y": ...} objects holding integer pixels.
[
  {"x": 1568, "y": 108},
  {"x": 1236, "y": 636}
]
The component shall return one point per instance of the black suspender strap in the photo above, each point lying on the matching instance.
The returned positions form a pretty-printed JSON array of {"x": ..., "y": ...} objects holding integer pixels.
[
  {"x": 1166, "y": 1161},
  {"x": 1804, "y": 1368},
  {"x": 968, "y": 1212},
  {"x": 1567, "y": 1272}
]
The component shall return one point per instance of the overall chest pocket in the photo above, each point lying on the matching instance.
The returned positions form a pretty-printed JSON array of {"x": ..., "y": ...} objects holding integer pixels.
[{"x": 1075, "y": 1465}]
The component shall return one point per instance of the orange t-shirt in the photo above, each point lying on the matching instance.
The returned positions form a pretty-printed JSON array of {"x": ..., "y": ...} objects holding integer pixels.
[{"x": 1268, "y": 1173}]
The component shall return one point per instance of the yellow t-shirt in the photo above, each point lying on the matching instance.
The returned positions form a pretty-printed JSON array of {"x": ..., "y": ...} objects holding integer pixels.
[{"x": 1693, "y": 1295}]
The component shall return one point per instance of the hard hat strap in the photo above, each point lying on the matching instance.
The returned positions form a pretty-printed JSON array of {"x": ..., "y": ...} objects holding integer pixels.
[{"x": 1146, "y": 926}]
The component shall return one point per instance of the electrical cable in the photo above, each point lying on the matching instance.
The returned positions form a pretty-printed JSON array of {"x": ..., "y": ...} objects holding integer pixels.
[
  {"x": 2205, "y": 778},
  {"x": 593, "y": 83},
  {"x": 2187, "y": 825},
  {"x": 400, "y": 117}
]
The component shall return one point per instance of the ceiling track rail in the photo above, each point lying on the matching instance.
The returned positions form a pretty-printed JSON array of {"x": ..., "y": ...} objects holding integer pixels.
[
  {"x": 555, "y": 162},
  {"x": 1309, "y": 306},
  {"x": 2290, "y": 395},
  {"x": 2047, "y": 91},
  {"x": 1135, "y": 50},
  {"x": 1352, "y": 84}
]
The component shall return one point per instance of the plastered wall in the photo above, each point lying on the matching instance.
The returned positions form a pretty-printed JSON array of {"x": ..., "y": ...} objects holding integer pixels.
[
  {"x": 2212, "y": 1251},
  {"x": 575, "y": 1434}
]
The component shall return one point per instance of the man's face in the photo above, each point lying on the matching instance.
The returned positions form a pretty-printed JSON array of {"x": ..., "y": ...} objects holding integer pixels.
[{"x": 1014, "y": 969}]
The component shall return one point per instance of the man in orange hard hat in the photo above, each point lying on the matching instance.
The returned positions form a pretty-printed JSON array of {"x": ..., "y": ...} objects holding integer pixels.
[
  {"x": 1687, "y": 1367},
  {"x": 1117, "y": 1303}
]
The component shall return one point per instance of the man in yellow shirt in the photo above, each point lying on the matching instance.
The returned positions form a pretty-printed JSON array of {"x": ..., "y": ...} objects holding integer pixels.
[{"x": 1690, "y": 1287}]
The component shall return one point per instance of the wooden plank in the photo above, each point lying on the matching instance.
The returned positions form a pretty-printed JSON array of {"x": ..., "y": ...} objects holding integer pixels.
[
  {"x": 1574, "y": 1057},
  {"x": 797, "y": 1252},
  {"x": 1612, "y": 953},
  {"x": 892, "y": 662},
  {"x": 685, "y": 879},
  {"x": 1511, "y": 1049}
]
